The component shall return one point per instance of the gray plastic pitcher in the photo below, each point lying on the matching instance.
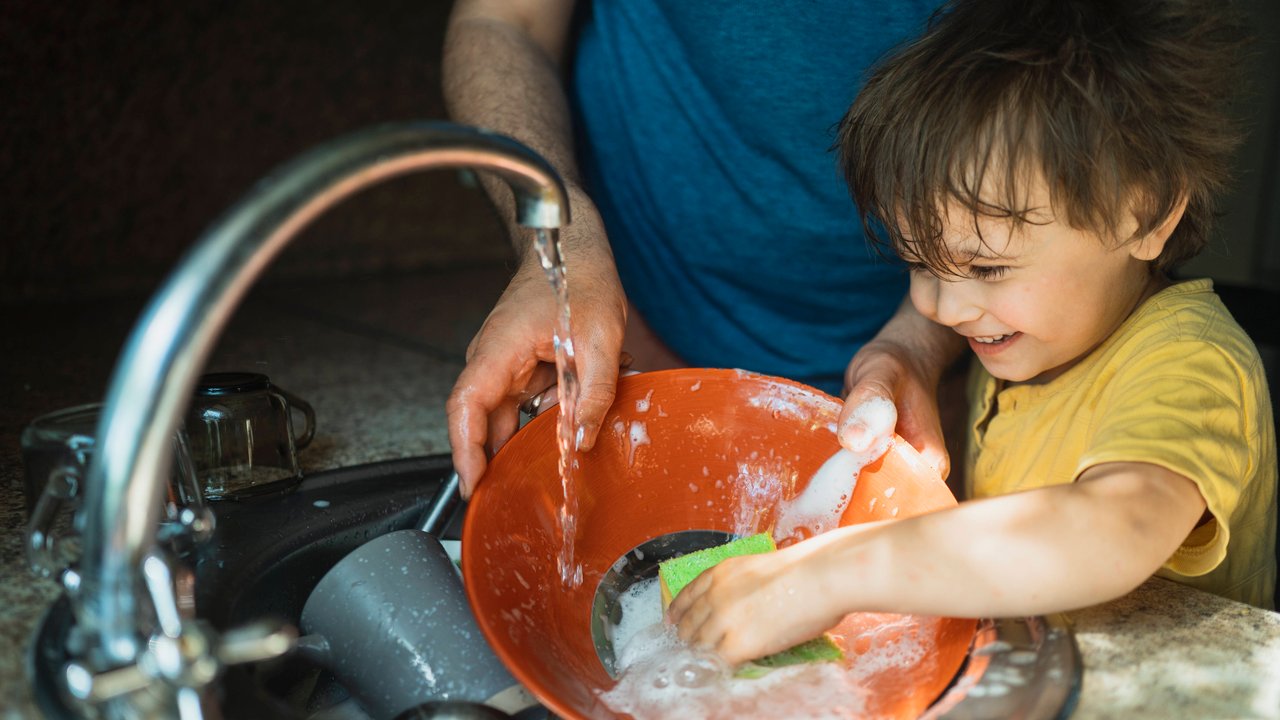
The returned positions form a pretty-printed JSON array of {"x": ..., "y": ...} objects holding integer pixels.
[{"x": 391, "y": 620}]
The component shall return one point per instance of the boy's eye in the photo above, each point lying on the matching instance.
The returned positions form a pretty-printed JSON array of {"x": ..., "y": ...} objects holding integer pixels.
[
  {"x": 917, "y": 267},
  {"x": 986, "y": 272}
]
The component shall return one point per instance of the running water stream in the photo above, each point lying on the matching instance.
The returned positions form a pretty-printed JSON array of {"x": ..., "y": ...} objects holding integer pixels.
[{"x": 568, "y": 434}]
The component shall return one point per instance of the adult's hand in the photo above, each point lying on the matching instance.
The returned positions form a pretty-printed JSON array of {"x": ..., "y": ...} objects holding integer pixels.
[
  {"x": 903, "y": 365},
  {"x": 513, "y": 355}
]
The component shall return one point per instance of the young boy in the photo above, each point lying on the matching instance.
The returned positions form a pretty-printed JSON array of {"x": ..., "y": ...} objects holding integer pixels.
[{"x": 1041, "y": 165}]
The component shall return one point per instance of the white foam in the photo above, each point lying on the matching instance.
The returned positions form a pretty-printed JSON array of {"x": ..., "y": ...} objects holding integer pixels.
[
  {"x": 662, "y": 677},
  {"x": 639, "y": 436},
  {"x": 869, "y": 426},
  {"x": 642, "y": 405},
  {"x": 823, "y": 501},
  {"x": 641, "y": 607}
]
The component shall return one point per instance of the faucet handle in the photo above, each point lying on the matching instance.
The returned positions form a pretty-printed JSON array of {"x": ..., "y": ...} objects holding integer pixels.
[
  {"x": 185, "y": 653},
  {"x": 54, "y": 552},
  {"x": 258, "y": 641},
  {"x": 188, "y": 661},
  {"x": 49, "y": 551}
]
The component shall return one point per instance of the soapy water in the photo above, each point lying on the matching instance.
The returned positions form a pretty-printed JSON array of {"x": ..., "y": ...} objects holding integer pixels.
[
  {"x": 660, "y": 676},
  {"x": 825, "y": 498},
  {"x": 663, "y": 677},
  {"x": 795, "y": 403},
  {"x": 638, "y": 436},
  {"x": 759, "y": 484},
  {"x": 822, "y": 503}
]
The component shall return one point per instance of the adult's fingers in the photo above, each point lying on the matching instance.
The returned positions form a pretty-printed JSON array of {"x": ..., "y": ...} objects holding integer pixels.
[
  {"x": 476, "y": 396},
  {"x": 598, "y": 344},
  {"x": 507, "y": 364},
  {"x": 502, "y": 364}
]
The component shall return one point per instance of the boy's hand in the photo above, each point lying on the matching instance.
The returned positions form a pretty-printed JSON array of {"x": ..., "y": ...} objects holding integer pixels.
[
  {"x": 902, "y": 364},
  {"x": 755, "y": 605},
  {"x": 884, "y": 370}
]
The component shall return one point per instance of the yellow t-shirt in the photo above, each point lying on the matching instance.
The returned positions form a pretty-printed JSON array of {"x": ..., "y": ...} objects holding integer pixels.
[{"x": 1180, "y": 385}]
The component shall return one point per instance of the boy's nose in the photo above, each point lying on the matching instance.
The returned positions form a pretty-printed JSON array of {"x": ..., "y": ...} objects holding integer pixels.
[{"x": 944, "y": 301}]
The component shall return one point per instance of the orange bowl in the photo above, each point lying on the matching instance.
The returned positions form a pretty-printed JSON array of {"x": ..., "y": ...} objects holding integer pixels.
[{"x": 689, "y": 449}]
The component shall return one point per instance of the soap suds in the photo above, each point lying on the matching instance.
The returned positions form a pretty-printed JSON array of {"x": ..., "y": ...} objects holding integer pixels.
[
  {"x": 868, "y": 426},
  {"x": 662, "y": 677},
  {"x": 642, "y": 405},
  {"x": 639, "y": 436}
]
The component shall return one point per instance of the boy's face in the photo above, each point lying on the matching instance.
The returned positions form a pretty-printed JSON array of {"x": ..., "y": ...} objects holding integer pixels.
[{"x": 1034, "y": 301}]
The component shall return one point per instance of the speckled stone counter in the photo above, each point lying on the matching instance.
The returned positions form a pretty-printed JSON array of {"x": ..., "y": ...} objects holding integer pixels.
[{"x": 376, "y": 357}]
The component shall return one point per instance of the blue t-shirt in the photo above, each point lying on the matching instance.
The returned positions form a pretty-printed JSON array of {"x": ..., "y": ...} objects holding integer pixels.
[{"x": 705, "y": 139}]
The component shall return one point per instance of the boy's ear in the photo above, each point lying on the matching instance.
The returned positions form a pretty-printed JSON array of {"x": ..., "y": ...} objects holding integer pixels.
[{"x": 1149, "y": 246}]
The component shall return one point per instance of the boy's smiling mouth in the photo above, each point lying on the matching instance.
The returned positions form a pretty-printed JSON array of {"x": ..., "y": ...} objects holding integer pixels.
[{"x": 991, "y": 344}]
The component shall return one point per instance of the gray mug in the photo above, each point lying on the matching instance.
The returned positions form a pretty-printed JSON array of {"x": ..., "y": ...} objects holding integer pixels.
[{"x": 392, "y": 621}]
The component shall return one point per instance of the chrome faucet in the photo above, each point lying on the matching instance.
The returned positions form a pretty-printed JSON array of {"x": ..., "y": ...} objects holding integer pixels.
[{"x": 122, "y": 593}]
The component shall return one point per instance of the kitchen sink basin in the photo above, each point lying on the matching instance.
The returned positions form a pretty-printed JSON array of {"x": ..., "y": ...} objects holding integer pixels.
[
  {"x": 268, "y": 553},
  {"x": 265, "y": 557}
]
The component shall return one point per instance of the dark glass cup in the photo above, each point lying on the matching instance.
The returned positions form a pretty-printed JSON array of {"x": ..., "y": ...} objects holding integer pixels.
[{"x": 242, "y": 436}]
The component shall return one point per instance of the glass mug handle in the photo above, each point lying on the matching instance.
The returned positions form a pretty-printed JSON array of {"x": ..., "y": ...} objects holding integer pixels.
[
  {"x": 48, "y": 553},
  {"x": 309, "y": 429}
]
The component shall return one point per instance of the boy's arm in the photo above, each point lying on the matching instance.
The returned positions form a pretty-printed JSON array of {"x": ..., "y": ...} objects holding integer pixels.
[{"x": 1040, "y": 551}]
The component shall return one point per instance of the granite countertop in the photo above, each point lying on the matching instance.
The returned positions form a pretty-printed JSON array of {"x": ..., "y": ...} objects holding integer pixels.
[{"x": 376, "y": 357}]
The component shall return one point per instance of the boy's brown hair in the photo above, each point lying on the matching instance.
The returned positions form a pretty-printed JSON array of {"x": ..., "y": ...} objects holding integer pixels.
[{"x": 1117, "y": 105}]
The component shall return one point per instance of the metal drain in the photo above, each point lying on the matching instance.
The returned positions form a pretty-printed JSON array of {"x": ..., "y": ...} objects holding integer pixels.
[{"x": 639, "y": 563}]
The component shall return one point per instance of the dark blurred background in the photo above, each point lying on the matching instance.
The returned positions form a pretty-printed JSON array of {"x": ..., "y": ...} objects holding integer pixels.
[{"x": 126, "y": 128}]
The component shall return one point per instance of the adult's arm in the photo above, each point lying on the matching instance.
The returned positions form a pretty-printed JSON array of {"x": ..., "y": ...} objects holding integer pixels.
[{"x": 503, "y": 70}]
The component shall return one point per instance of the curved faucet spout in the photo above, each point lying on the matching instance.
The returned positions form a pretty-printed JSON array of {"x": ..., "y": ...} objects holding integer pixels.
[{"x": 158, "y": 367}]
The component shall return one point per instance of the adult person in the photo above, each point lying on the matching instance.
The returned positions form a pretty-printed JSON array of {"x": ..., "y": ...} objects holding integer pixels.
[{"x": 711, "y": 226}]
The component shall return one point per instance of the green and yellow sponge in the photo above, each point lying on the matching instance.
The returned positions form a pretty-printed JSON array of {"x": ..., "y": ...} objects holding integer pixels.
[{"x": 676, "y": 573}]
